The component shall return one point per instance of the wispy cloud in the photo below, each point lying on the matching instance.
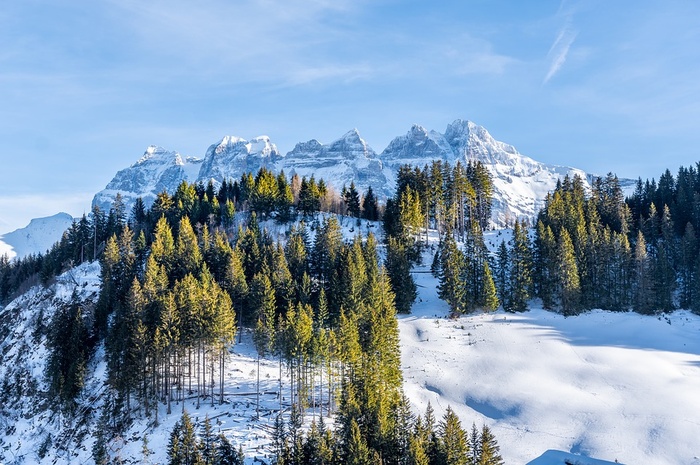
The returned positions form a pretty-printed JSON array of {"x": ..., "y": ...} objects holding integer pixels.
[{"x": 560, "y": 50}]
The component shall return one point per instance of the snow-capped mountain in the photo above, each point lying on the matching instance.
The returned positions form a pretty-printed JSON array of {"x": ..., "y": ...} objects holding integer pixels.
[
  {"x": 233, "y": 156},
  {"x": 37, "y": 237},
  {"x": 338, "y": 163},
  {"x": 520, "y": 182},
  {"x": 157, "y": 170}
]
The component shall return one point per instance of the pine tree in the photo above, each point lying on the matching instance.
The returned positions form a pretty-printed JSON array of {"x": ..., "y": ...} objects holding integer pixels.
[
  {"x": 643, "y": 289},
  {"x": 263, "y": 306},
  {"x": 208, "y": 446},
  {"x": 520, "y": 269},
  {"x": 183, "y": 447},
  {"x": 163, "y": 246},
  {"x": 502, "y": 278},
  {"x": 489, "y": 299},
  {"x": 357, "y": 451},
  {"x": 688, "y": 259},
  {"x": 453, "y": 446},
  {"x": 451, "y": 287},
  {"x": 352, "y": 200},
  {"x": 663, "y": 265},
  {"x": 398, "y": 268},
  {"x": 568, "y": 284},
  {"x": 489, "y": 453},
  {"x": 545, "y": 266},
  {"x": 370, "y": 208},
  {"x": 188, "y": 257}
]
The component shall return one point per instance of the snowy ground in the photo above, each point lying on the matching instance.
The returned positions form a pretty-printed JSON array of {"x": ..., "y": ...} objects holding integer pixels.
[
  {"x": 605, "y": 385},
  {"x": 612, "y": 386}
]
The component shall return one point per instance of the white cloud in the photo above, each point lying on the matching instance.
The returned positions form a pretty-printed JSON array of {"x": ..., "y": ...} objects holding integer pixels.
[{"x": 560, "y": 50}]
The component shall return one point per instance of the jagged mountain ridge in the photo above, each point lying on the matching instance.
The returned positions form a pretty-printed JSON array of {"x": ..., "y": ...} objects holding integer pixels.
[{"x": 520, "y": 182}]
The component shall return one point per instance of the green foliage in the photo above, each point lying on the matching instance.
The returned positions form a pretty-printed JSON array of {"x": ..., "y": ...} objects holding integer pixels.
[
  {"x": 68, "y": 346},
  {"x": 398, "y": 267}
]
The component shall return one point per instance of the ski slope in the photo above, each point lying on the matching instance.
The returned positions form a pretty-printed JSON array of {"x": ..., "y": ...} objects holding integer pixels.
[{"x": 603, "y": 385}]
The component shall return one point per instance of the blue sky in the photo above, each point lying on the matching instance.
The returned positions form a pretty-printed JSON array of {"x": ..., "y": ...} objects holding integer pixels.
[{"x": 85, "y": 86}]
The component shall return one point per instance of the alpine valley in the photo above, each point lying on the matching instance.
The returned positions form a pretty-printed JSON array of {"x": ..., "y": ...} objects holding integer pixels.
[{"x": 182, "y": 325}]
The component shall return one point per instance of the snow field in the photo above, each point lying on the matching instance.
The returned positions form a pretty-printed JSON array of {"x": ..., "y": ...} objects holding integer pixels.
[{"x": 606, "y": 385}]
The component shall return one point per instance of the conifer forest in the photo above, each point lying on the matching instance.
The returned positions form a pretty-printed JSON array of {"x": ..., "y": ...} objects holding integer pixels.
[{"x": 182, "y": 279}]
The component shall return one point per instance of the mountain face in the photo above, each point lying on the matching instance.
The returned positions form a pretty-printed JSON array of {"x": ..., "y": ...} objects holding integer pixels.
[
  {"x": 37, "y": 237},
  {"x": 157, "y": 170},
  {"x": 520, "y": 183},
  {"x": 339, "y": 163},
  {"x": 235, "y": 155}
]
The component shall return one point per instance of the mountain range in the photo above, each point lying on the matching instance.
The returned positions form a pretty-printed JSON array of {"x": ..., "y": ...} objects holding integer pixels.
[{"x": 520, "y": 183}]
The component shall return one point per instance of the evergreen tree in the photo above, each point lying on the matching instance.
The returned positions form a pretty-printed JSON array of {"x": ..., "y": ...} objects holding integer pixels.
[
  {"x": 545, "y": 264},
  {"x": 643, "y": 289},
  {"x": 453, "y": 448},
  {"x": 357, "y": 451},
  {"x": 489, "y": 453},
  {"x": 352, "y": 200},
  {"x": 489, "y": 299},
  {"x": 451, "y": 287},
  {"x": 568, "y": 284},
  {"x": 502, "y": 278},
  {"x": 370, "y": 207},
  {"x": 520, "y": 270},
  {"x": 398, "y": 268},
  {"x": 663, "y": 264},
  {"x": 66, "y": 366},
  {"x": 688, "y": 259},
  {"x": 188, "y": 257},
  {"x": 183, "y": 447}
]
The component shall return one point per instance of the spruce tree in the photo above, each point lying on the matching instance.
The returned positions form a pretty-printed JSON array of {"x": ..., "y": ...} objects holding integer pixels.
[
  {"x": 568, "y": 284},
  {"x": 489, "y": 453},
  {"x": 643, "y": 284},
  {"x": 489, "y": 298},
  {"x": 502, "y": 278},
  {"x": 451, "y": 288},
  {"x": 398, "y": 268},
  {"x": 370, "y": 208},
  {"x": 520, "y": 269},
  {"x": 352, "y": 200},
  {"x": 453, "y": 448}
]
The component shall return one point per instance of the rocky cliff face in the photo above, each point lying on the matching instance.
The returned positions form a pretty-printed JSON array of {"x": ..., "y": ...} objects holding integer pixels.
[{"x": 157, "y": 170}]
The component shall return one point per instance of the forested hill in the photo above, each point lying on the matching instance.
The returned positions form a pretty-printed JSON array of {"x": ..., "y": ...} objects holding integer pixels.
[
  {"x": 178, "y": 282},
  {"x": 114, "y": 353}
]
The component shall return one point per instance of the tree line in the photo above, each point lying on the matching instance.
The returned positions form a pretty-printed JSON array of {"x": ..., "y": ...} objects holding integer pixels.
[
  {"x": 267, "y": 194},
  {"x": 589, "y": 249}
]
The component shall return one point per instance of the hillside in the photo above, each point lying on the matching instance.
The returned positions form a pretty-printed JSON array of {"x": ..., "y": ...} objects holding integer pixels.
[{"x": 600, "y": 385}]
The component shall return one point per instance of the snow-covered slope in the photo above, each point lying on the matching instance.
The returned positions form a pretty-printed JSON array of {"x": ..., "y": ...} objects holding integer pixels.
[
  {"x": 602, "y": 384},
  {"x": 590, "y": 389},
  {"x": 37, "y": 237},
  {"x": 520, "y": 183}
]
